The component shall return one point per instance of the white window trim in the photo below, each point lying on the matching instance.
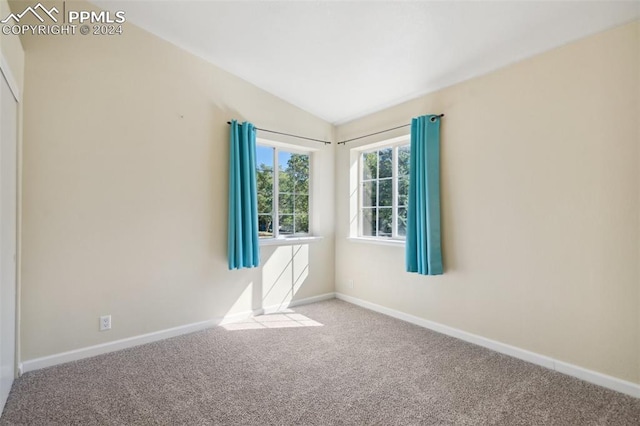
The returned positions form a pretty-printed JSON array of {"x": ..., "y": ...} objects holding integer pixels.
[
  {"x": 394, "y": 143},
  {"x": 288, "y": 241},
  {"x": 295, "y": 238},
  {"x": 381, "y": 241}
]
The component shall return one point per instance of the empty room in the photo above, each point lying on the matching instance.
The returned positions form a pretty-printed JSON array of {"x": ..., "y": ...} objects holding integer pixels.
[{"x": 319, "y": 212}]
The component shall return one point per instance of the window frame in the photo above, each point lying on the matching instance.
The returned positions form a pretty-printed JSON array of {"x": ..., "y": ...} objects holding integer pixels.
[
  {"x": 394, "y": 144},
  {"x": 277, "y": 148}
]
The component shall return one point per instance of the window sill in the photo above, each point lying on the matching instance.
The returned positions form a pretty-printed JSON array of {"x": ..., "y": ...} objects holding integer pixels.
[
  {"x": 376, "y": 241},
  {"x": 288, "y": 241}
]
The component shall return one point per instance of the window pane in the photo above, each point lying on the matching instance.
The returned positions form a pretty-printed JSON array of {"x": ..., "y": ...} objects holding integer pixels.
[
  {"x": 382, "y": 188},
  {"x": 265, "y": 201},
  {"x": 402, "y": 221},
  {"x": 285, "y": 203},
  {"x": 285, "y": 183},
  {"x": 286, "y": 225},
  {"x": 369, "y": 165},
  {"x": 385, "y": 192},
  {"x": 298, "y": 170},
  {"x": 404, "y": 157},
  {"x": 265, "y": 226},
  {"x": 264, "y": 178},
  {"x": 369, "y": 222},
  {"x": 369, "y": 196},
  {"x": 283, "y": 159},
  {"x": 301, "y": 204},
  {"x": 264, "y": 156},
  {"x": 292, "y": 203},
  {"x": 301, "y": 224},
  {"x": 403, "y": 190},
  {"x": 384, "y": 222},
  {"x": 385, "y": 165}
]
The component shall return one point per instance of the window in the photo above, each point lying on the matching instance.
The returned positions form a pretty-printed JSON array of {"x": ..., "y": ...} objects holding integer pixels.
[
  {"x": 384, "y": 191},
  {"x": 283, "y": 203}
]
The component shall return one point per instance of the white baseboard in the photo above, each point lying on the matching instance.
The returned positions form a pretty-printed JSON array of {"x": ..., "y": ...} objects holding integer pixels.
[
  {"x": 103, "y": 348},
  {"x": 610, "y": 382},
  {"x": 591, "y": 376},
  {"x": 293, "y": 303}
]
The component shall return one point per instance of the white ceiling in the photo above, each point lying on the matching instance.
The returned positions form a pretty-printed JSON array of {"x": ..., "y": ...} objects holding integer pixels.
[{"x": 343, "y": 60}]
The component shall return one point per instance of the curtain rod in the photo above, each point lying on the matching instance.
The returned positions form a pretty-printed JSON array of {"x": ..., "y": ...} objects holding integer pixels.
[
  {"x": 383, "y": 131},
  {"x": 289, "y": 134}
]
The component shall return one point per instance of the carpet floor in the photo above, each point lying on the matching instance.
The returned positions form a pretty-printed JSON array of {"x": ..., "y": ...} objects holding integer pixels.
[{"x": 327, "y": 363}]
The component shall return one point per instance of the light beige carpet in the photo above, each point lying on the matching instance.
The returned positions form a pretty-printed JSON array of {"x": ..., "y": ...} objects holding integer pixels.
[{"x": 356, "y": 368}]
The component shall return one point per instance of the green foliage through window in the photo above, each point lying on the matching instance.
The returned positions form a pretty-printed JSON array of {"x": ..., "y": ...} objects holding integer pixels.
[
  {"x": 283, "y": 206},
  {"x": 385, "y": 190}
]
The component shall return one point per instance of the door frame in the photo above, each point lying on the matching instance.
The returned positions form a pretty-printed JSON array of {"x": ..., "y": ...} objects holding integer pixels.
[{"x": 7, "y": 74}]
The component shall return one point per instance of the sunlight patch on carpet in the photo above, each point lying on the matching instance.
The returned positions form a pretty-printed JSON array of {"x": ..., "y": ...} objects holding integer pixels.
[{"x": 276, "y": 320}]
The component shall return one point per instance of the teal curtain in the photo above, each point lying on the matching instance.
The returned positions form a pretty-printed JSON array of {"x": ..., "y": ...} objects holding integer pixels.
[
  {"x": 243, "y": 248},
  {"x": 423, "y": 249}
]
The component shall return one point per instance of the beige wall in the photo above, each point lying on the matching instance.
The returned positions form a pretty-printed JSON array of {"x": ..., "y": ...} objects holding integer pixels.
[
  {"x": 125, "y": 200},
  {"x": 125, "y": 189},
  {"x": 540, "y": 207}
]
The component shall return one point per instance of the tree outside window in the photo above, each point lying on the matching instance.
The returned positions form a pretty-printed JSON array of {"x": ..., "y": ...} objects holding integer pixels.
[
  {"x": 384, "y": 196},
  {"x": 283, "y": 206}
]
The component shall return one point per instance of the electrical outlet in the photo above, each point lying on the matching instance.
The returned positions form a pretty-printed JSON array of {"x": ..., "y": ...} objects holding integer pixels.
[
  {"x": 350, "y": 283},
  {"x": 105, "y": 323}
]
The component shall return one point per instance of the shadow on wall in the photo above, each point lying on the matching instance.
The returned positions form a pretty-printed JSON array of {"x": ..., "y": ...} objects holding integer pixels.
[
  {"x": 283, "y": 274},
  {"x": 273, "y": 285}
]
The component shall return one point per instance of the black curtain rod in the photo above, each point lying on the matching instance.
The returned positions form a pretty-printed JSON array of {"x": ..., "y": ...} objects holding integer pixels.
[
  {"x": 289, "y": 134},
  {"x": 383, "y": 131}
]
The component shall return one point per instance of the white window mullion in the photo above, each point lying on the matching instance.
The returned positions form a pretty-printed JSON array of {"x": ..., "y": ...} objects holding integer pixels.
[
  {"x": 309, "y": 200},
  {"x": 361, "y": 194},
  {"x": 276, "y": 194},
  {"x": 377, "y": 193},
  {"x": 394, "y": 191}
]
